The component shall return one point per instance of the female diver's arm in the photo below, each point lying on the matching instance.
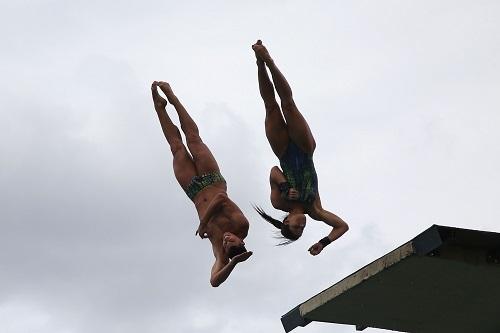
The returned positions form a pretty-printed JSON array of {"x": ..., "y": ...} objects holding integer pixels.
[
  {"x": 340, "y": 227},
  {"x": 276, "y": 177}
]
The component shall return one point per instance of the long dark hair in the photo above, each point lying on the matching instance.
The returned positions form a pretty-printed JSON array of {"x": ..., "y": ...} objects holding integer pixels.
[{"x": 286, "y": 234}]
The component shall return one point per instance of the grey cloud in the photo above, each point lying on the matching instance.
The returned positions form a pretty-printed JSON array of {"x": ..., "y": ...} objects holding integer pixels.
[{"x": 97, "y": 236}]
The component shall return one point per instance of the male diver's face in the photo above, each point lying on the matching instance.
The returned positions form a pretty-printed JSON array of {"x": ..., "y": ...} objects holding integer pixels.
[
  {"x": 229, "y": 240},
  {"x": 296, "y": 223}
]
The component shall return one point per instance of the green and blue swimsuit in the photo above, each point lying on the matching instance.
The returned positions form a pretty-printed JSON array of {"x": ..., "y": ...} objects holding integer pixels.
[{"x": 299, "y": 171}]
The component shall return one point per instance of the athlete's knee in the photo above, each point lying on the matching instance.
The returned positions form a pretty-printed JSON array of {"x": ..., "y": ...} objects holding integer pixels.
[
  {"x": 173, "y": 135},
  {"x": 193, "y": 137},
  {"x": 191, "y": 129},
  {"x": 288, "y": 104},
  {"x": 271, "y": 104},
  {"x": 177, "y": 147},
  {"x": 272, "y": 107}
]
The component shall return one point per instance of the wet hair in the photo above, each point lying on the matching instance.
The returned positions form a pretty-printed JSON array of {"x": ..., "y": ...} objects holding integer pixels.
[
  {"x": 235, "y": 250},
  {"x": 287, "y": 236}
]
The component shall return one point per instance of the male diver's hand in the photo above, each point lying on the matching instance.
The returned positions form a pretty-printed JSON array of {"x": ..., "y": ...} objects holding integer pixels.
[
  {"x": 316, "y": 249},
  {"x": 293, "y": 194},
  {"x": 242, "y": 257},
  {"x": 202, "y": 231}
]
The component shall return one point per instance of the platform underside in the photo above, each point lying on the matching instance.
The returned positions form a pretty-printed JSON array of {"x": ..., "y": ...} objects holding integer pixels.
[{"x": 444, "y": 280}]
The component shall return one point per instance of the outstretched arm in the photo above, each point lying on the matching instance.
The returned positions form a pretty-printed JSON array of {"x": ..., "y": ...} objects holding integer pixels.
[
  {"x": 223, "y": 267},
  {"x": 340, "y": 227}
]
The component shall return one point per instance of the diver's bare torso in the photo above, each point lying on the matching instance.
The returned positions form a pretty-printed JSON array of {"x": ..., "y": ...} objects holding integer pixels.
[{"x": 228, "y": 217}]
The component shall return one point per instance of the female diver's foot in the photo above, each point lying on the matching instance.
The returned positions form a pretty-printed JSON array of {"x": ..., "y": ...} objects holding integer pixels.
[
  {"x": 160, "y": 103},
  {"x": 261, "y": 53},
  {"x": 167, "y": 90}
]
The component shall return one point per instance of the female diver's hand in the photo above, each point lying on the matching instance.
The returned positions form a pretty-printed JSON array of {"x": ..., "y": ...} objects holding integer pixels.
[
  {"x": 316, "y": 249},
  {"x": 242, "y": 256},
  {"x": 293, "y": 194}
]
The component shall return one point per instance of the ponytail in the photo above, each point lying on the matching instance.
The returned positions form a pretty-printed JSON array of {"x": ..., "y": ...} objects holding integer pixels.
[
  {"x": 268, "y": 218},
  {"x": 285, "y": 232}
]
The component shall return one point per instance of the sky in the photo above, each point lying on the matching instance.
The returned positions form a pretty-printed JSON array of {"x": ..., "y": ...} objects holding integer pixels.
[{"x": 95, "y": 233}]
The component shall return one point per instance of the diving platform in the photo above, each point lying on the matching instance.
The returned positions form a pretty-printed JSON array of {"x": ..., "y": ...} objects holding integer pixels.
[{"x": 444, "y": 280}]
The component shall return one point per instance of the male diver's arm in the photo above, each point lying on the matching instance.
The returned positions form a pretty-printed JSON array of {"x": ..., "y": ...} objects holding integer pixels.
[
  {"x": 212, "y": 208},
  {"x": 214, "y": 205},
  {"x": 221, "y": 271},
  {"x": 223, "y": 267}
]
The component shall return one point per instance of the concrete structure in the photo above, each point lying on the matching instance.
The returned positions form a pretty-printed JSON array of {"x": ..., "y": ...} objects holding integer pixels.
[{"x": 444, "y": 280}]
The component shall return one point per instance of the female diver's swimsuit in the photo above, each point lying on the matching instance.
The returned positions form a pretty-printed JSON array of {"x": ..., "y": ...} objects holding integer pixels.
[
  {"x": 198, "y": 183},
  {"x": 299, "y": 171}
]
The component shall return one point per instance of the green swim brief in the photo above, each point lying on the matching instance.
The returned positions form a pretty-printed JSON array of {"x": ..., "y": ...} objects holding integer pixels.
[{"x": 198, "y": 183}]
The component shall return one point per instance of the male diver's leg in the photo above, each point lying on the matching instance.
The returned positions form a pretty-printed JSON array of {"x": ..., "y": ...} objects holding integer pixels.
[
  {"x": 298, "y": 129},
  {"x": 184, "y": 168},
  {"x": 202, "y": 156},
  {"x": 276, "y": 128}
]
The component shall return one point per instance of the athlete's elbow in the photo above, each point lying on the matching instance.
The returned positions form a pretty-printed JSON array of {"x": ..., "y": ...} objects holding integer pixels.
[
  {"x": 214, "y": 283},
  {"x": 274, "y": 175},
  {"x": 344, "y": 227}
]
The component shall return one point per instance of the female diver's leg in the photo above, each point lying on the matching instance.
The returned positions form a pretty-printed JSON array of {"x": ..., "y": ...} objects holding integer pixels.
[
  {"x": 298, "y": 129},
  {"x": 202, "y": 156},
  {"x": 184, "y": 168},
  {"x": 276, "y": 128}
]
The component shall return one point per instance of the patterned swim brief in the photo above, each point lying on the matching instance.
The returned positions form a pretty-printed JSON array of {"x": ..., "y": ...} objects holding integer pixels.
[{"x": 198, "y": 183}]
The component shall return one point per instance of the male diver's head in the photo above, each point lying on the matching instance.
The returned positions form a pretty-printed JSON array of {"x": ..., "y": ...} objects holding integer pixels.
[{"x": 233, "y": 245}]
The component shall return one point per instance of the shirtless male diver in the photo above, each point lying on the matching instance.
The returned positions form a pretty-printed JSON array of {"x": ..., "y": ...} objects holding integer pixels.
[{"x": 196, "y": 170}]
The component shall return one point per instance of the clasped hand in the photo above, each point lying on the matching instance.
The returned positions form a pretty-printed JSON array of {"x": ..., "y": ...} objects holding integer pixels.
[
  {"x": 316, "y": 249},
  {"x": 292, "y": 194},
  {"x": 202, "y": 231}
]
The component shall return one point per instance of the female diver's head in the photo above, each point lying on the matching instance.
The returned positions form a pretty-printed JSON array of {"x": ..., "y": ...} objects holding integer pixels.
[{"x": 291, "y": 227}]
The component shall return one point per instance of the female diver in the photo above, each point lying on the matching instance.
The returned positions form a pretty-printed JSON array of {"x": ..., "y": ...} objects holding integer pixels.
[{"x": 294, "y": 187}]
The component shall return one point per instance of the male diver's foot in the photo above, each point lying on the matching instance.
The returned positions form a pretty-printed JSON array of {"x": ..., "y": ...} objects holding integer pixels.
[
  {"x": 167, "y": 90},
  {"x": 262, "y": 53},
  {"x": 260, "y": 62},
  {"x": 159, "y": 102}
]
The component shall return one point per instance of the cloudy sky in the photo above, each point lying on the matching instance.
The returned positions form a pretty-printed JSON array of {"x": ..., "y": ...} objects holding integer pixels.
[{"x": 95, "y": 234}]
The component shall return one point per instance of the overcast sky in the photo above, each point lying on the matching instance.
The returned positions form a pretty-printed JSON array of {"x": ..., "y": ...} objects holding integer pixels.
[{"x": 95, "y": 233}]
